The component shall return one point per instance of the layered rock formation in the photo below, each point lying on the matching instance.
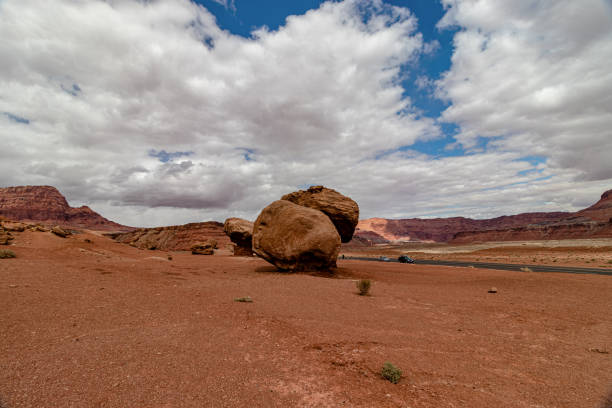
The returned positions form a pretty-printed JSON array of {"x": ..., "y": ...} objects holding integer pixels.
[
  {"x": 174, "y": 238},
  {"x": 47, "y": 205},
  {"x": 600, "y": 211},
  {"x": 340, "y": 209},
  {"x": 240, "y": 233},
  {"x": 555, "y": 231},
  {"x": 592, "y": 222},
  {"x": 293, "y": 237},
  {"x": 587, "y": 223}
]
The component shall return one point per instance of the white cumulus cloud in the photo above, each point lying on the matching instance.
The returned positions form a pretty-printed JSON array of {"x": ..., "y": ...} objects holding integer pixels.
[{"x": 152, "y": 114}]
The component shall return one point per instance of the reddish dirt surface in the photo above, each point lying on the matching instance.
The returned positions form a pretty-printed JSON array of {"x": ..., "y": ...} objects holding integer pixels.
[{"x": 104, "y": 324}]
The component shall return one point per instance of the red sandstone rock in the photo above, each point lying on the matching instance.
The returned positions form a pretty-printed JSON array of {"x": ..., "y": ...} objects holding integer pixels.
[
  {"x": 46, "y": 204},
  {"x": 293, "y": 237},
  {"x": 241, "y": 233},
  {"x": 600, "y": 211},
  {"x": 342, "y": 211},
  {"x": 204, "y": 248},
  {"x": 14, "y": 226},
  {"x": 5, "y": 237},
  {"x": 174, "y": 238},
  {"x": 60, "y": 232}
]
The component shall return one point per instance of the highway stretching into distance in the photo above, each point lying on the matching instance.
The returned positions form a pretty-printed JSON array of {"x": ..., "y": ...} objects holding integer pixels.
[{"x": 500, "y": 266}]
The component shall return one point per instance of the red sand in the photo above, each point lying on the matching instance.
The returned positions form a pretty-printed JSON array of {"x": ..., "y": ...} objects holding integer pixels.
[{"x": 107, "y": 325}]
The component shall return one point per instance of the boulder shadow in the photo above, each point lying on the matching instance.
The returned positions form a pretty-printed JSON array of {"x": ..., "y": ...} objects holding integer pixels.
[{"x": 334, "y": 273}]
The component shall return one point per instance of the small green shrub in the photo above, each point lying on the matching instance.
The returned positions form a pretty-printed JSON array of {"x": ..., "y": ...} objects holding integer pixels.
[
  {"x": 391, "y": 372},
  {"x": 363, "y": 286},
  {"x": 6, "y": 253},
  {"x": 246, "y": 299},
  {"x": 610, "y": 261}
]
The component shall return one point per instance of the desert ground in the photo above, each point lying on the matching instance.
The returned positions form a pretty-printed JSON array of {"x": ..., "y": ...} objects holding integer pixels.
[
  {"x": 588, "y": 253},
  {"x": 102, "y": 324}
]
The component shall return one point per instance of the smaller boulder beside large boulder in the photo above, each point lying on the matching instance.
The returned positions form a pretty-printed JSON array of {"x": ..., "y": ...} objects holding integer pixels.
[
  {"x": 240, "y": 233},
  {"x": 5, "y": 237},
  {"x": 295, "y": 238},
  {"x": 60, "y": 232},
  {"x": 204, "y": 248},
  {"x": 342, "y": 210}
]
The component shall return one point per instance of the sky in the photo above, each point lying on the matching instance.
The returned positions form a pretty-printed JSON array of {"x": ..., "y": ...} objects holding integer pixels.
[{"x": 164, "y": 112}]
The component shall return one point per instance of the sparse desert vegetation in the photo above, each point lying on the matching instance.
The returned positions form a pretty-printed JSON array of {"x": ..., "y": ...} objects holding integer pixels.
[
  {"x": 391, "y": 373},
  {"x": 6, "y": 253},
  {"x": 363, "y": 286}
]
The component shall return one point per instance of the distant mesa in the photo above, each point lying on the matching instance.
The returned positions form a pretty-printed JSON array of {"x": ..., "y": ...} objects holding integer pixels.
[
  {"x": 45, "y": 204},
  {"x": 592, "y": 222}
]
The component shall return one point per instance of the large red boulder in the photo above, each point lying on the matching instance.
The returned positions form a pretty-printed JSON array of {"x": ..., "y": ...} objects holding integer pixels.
[
  {"x": 295, "y": 238},
  {"x": 343, "y": 211}
]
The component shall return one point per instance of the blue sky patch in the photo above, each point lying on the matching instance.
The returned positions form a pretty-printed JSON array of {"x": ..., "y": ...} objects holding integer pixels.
[
  {"x": 247, "y": 153},
  {"x": 16, "y": 118},
  {"x": 246, "y": 15},
  {"x": 73, "y": 90},
  {"x": 164, "y": 156}
]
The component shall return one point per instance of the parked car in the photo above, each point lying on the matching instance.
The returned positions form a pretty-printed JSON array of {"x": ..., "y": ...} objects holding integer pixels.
[
  {"x": 405, "y": 259},
  {"x": 384, "y": 259}
]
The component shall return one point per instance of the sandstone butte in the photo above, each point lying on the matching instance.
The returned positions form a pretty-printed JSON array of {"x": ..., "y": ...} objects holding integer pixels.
[
  {"x": 45, "y": 204},
  {"x": 592, "y": 222}
]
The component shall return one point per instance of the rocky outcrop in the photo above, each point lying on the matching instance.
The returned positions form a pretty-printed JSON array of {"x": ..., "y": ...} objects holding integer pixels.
[
  {"x": 14, "y": 226},
  {"x": 240, "y": 233},
  {"x": 5, "y": 237},
  {"x": 174, "y": 238},
  {"x": 204, "y": 248},
  {"x": 343, "y": 211},
  {"x": 47, "y": 205},
  {"x": 600, "y": 211},
  {"x": 59, "y": 231},
  {"x": 294, "y": 238}
]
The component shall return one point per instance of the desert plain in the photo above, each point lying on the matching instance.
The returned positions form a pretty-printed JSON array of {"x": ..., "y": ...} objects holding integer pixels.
[{"x": 103, "y": 324}]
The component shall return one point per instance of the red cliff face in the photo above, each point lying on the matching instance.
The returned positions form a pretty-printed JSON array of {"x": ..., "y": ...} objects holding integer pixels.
[
  {"x": 444, "y": 229},
  {"x": 600, "y": 211},
  {"x": 592, "y": 222},
  {"x": 45, "y": 204}
]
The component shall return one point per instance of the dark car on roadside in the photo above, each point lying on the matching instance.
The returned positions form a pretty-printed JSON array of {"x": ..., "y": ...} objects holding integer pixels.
[{"x": 405, "y": 259}]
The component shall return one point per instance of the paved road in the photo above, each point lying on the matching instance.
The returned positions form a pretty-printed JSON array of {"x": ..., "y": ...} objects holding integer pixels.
[{"x": 505, "y": 267}]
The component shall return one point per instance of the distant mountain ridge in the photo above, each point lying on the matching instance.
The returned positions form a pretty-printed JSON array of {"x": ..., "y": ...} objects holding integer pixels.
[
  {"x": 45, "y": 204},
  {"x": 594, "y": 221}
]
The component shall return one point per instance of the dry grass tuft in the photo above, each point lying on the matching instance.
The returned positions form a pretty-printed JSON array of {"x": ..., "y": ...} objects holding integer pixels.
[{"x": 363, "y": 285}]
